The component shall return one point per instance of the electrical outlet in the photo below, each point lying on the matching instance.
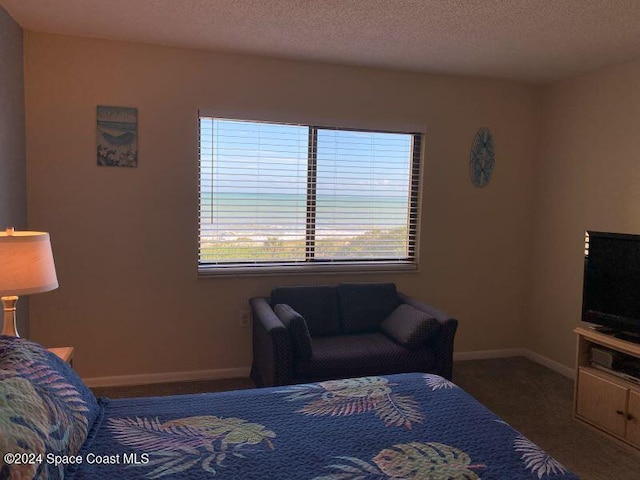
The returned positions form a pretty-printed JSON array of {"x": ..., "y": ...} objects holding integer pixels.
[{"x": 244, "y": 319}]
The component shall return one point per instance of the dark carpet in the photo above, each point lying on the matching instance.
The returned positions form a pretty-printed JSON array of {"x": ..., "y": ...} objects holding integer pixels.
[
  {"x": 174, "y": 388},
  {"x": 539, "y": 403},
  {"x": 533, "y": 399}
]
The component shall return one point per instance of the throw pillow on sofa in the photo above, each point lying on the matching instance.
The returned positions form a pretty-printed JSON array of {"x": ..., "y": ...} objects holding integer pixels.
[
  {"x": 409, "y": 326},
  {"x": 298, "y": 330}
]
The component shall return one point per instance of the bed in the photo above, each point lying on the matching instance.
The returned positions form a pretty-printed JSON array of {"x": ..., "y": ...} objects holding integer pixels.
[{"x": 405, "y": 426}]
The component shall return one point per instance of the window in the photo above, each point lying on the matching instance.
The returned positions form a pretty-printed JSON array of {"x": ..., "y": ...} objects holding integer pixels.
[{"x": 277, "y": 196}]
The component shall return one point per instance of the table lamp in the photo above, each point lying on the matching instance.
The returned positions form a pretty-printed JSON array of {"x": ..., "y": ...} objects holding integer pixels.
[{"x": 26, "y": 267}]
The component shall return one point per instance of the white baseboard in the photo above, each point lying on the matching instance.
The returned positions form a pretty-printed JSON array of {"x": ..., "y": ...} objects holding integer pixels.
[
  {"x": 517, "y": 352},
  {"x": 243, "y": 372},
  {"x": 147, "y": 378},
  {"x": 551, "y": 364},
  {"x": 485, "y": 354}
]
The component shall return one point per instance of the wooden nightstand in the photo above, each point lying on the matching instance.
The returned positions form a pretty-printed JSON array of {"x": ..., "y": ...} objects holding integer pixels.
[{"x": 65, "y": 353}]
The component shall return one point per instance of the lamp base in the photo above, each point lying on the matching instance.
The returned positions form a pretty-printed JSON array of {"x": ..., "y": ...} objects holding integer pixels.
[{"x": 9, "y": 305}]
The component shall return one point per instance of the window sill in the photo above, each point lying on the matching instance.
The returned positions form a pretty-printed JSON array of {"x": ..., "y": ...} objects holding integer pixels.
[{"x": 208, "y": 271}]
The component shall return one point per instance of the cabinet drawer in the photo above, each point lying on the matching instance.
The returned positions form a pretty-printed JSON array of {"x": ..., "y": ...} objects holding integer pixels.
[{"x": 602, "y": 402}]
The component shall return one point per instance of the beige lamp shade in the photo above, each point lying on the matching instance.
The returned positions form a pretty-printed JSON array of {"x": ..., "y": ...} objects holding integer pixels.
[{"x": 26, "y": 263}]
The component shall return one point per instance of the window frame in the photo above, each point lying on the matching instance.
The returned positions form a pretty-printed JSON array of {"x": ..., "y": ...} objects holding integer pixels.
[{"x": 312, "y": 265}]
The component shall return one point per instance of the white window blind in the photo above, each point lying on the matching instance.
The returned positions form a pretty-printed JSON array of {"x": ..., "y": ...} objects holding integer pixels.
[{"x": 278, "y": 195}]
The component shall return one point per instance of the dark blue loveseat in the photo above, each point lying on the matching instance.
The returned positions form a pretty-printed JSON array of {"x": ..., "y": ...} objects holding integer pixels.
[{"x": 354, "y": 329}]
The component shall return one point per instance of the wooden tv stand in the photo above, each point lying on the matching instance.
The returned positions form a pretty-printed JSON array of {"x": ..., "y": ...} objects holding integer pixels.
[{"x": 604, "y": 400}]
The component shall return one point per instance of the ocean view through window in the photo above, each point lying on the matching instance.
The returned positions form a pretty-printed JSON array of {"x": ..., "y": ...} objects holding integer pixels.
[{"x": 277, "y": 196}]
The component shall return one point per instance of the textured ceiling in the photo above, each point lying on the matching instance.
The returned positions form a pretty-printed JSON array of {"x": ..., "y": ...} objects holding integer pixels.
[{"x": 534, "y": 41}]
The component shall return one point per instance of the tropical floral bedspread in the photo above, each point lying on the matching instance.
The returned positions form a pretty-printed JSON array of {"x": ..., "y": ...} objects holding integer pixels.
[{"x": 408, "y": 426}]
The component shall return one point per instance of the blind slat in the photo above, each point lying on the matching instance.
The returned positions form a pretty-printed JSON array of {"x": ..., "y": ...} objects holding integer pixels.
[{"x": 278, "y": 194}]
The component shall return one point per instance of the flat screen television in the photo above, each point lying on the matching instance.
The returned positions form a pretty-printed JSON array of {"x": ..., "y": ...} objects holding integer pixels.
[{"x": 611, "y": 291}]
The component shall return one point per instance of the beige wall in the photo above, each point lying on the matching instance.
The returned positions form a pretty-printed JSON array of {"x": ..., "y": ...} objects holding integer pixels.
[
  {"x": 125, "y": 239},
  {"x": 13, "y": 172},
  {"x": 588, "y": 179}
]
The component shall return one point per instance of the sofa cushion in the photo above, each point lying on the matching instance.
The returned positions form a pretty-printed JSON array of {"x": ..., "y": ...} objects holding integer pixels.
[
  {"x": 347, "y": 356},
  {"x": 363, "y": 306},
  {"x": 409, "y": 326},
  {"x": 44, "y": 407},
  {"x": 317, "y": 304},
  {"x": 298, "y": 331}
]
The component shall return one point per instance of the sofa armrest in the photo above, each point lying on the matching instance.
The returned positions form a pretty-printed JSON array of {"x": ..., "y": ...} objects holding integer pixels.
[
  {"x": 272, "y": 349},
  {"x": 443, "y": 341}
]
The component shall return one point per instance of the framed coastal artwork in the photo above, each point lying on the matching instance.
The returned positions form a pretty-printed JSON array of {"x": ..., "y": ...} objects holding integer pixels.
[{"x": 117, "y": 136}]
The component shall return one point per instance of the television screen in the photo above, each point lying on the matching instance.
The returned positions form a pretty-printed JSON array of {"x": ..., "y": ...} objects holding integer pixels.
[{"x": 611, "y": 294}]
